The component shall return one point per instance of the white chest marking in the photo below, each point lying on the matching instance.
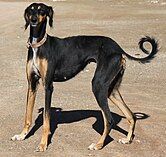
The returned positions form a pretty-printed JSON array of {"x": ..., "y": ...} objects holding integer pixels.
[{"x": 35, "y": 64}]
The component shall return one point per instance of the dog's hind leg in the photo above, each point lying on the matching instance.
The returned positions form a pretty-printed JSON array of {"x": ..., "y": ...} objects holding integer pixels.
[
  {"x": 122, "y": 105},
  {"x": 31, "y": 94},
  {"x": 106, "y": 71},
  {"x": 129, "y": 115}
]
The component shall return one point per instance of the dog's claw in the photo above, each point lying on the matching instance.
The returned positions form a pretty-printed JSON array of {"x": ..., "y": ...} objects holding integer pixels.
[
  {"x": 18, "y": 137},
  {"x": 94, "y": 146},
  {"x": 124, "y": 141}
]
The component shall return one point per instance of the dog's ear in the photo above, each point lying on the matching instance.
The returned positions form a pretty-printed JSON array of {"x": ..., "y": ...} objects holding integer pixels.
[
  {"x": 50, "y": 15},
  {"x": 26, "y": 18}
]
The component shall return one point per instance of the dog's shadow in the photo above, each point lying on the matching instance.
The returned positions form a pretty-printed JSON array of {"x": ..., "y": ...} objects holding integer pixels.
[{"x": 60, "y": 117}]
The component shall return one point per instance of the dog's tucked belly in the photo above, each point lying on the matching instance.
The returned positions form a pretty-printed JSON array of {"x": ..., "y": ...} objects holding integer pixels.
[{"x": 68, "y": 72}]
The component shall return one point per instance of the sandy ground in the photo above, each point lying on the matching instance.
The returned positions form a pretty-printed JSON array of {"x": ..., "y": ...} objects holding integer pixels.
[{"x": 76, "y": 119}]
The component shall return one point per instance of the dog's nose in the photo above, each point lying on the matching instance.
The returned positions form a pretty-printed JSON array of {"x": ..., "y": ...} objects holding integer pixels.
[{"x": 34, "y": 19}]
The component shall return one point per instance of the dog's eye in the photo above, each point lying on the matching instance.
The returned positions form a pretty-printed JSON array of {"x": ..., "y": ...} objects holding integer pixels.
[{"x": 31, "y": 11}]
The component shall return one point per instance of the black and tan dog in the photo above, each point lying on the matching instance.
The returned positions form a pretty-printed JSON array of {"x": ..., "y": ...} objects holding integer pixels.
[{"x": 52, "y": 59}]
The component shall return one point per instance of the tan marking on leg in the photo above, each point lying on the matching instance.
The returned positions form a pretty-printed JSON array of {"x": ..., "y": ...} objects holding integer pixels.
[
  {"x": 31, "y": 95},
  {"x": 43, "y": 64},
  {"x": 46, "y": 132},
  {"x": 29, "y": 106},
  {"x": 106, "y": 131},
  {"x": 99, "y": 145},
  {"x": 129, "y": 115}
]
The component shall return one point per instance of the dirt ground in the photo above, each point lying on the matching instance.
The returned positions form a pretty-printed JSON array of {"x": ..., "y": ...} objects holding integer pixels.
[{"x": 76, "y": 120}]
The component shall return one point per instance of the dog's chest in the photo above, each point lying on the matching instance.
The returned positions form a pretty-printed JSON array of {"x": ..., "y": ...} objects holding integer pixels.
[{"x": 35, "y": 60}]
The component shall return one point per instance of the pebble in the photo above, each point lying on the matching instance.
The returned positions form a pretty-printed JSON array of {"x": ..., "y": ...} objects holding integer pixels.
[{"x": 138, "y": 141}]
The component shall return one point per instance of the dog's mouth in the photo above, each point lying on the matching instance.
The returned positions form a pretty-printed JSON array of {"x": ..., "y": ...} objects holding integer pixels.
[{"x": 34, "y": 24}]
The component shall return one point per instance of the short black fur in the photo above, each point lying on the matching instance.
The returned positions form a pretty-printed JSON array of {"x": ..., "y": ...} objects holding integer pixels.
[{"x": 65, "y": 58}]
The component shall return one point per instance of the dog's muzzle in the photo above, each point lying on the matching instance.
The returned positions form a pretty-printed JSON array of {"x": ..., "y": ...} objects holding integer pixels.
[{"x": 34, "y": 21}]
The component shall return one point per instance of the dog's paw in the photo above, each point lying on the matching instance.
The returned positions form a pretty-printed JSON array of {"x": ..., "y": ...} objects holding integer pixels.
[
  {"x": 41, "y": 148},
  {"x": 19, "y": 137},
  {"x": 94, "y": 146},
  {"x": 124, "y": 141}
]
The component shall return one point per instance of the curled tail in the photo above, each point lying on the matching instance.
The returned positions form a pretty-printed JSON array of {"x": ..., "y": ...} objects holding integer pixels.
[{"x": 151, "y": 54}]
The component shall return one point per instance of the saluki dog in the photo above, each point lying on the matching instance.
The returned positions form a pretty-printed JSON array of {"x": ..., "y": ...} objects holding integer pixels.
[{"x": 54, "y": 59}]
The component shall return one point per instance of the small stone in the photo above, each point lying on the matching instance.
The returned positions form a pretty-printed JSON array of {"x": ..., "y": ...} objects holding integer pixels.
[{"x": 138, "y": 141}]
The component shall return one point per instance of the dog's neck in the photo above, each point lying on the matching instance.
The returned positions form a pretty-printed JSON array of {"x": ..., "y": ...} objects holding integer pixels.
[{"x": 37, "y": 33}]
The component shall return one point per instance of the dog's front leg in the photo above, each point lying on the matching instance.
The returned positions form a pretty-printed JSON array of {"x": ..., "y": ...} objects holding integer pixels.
[
  {"x": 46, "y": 118},
  {"x": 31, "y": 95},
  {"x": 28, "y": 116}
]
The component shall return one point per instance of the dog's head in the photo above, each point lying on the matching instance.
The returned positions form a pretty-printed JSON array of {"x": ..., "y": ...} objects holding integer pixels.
[{"x": 36, "y": 13}]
